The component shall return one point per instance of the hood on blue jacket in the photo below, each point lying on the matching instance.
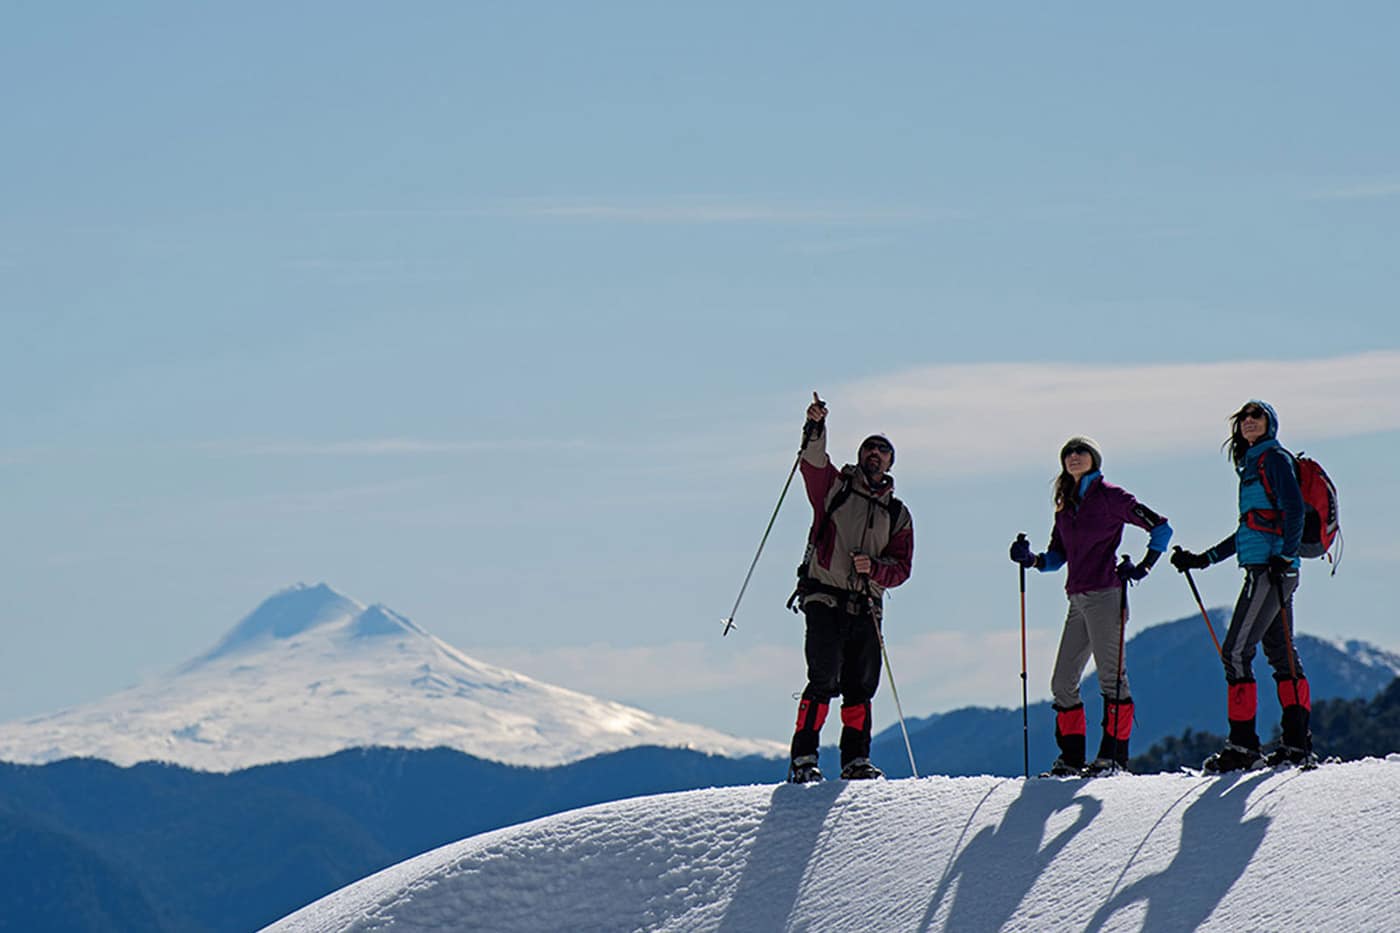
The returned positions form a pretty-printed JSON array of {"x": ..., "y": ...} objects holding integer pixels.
[{"x": 1269, "y": 411}]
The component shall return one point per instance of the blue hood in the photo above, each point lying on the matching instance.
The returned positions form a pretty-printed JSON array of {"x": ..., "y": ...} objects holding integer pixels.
[{"x": 1268, "y": 410}]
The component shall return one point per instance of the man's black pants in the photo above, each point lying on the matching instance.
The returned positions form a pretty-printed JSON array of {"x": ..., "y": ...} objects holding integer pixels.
[{"x": 843, "y": 659}]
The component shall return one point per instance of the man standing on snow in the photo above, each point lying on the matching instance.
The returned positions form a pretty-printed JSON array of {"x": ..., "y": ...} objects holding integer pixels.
[{"x": 860, "y": 544}]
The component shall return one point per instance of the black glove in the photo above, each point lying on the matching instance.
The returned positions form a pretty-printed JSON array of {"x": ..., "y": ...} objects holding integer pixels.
[
  {"x": 1021, "y": 553},
  {"x": 1280, "y": 567},
  {"x": 1184, "y": 560},
  {"x": 814, "y": 426},
  {"x": 1126, "y": 570}
]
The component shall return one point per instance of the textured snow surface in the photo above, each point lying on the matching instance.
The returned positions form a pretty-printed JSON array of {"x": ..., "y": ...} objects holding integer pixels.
[
  {"x": 312, "y": 672},
  {"x": 1275, "y": 851}
]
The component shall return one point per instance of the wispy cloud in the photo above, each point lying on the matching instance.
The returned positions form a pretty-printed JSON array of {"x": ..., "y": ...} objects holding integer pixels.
[
  {"x": 700, "y": 209},
  {"x": 955, "y": 668},
  {"x": 653, "y": 671},
  {"x": 15, "y": 456},
  {"x": 840, "y": 246},
  {"x": 680, "y": 209},
  {"x": 330, "y": 500},
  {"x": 378, "y": 447},
  {"x": 989, "y": 417},
  {"x": 1361, "y": 192},
  {"x": 369, "y": 270}
]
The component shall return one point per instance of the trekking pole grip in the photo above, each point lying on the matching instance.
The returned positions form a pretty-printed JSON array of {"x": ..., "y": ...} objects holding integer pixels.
[
  {"x": 809, "y": 430},
  {"x": 1020, "y": 538}
]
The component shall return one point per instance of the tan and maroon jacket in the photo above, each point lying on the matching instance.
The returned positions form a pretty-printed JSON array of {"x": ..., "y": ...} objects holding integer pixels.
[{"x": 863, "y": 522}]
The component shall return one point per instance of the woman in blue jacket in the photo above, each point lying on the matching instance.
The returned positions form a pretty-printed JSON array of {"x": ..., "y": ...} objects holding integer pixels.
[{"x": 1266, "y": 545}]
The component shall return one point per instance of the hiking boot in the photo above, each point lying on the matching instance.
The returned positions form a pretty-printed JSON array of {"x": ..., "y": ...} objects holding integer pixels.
[
  {"x": 860, "y": 770},
  {"x": 1064, "y": 768},
  {"x": 1101, "y": 767},
  {"x": 804, "y": 770},
  {"x": 1234, "y": 758},
  {"x": 1288, "y": 755}
]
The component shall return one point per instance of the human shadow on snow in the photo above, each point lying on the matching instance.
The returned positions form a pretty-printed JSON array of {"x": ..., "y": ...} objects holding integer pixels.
[
  {"x": 782, "y": 848},
  {"x": 999, "y": 866},
  {"x": 1217, "y": 845}
]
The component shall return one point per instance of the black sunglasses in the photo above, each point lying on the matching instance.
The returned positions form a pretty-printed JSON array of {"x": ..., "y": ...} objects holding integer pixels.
[
  {"x": 1078, "y": 449},
  {"x": 1253, "y": 413},
  {"x": 881, "y": 446}
]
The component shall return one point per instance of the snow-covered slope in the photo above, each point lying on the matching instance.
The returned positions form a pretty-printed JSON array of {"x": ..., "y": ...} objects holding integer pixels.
[
  {"x": 1272, "y": 851},
  {"x": 311, "y": 672}
]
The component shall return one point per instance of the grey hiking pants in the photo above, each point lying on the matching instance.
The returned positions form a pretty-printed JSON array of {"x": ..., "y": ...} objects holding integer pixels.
[
  {"x": 1258, "y": 619},
  {"x": 1093, "y": 626}
]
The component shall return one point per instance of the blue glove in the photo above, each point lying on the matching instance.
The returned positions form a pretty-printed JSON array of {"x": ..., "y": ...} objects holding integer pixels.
[
  {"x": 1126, "y": 570},
  {"x": 1021, "y": 553}
]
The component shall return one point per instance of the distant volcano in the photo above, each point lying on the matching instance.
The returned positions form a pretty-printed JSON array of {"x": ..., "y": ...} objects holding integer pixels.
[{"x": 311, "y": 672}]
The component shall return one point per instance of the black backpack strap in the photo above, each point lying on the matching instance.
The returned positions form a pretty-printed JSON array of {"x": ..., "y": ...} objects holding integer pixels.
[
  {"x": 895, "y": 507},
  {"x": 804, "y": 581},
  {"x": 805, "y": 585},
  {"x": 837, "y": 501}
]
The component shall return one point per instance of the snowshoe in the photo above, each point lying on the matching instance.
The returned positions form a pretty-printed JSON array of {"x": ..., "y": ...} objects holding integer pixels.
[
  {"x": 1104, "y": 767},
  {"x": 860, "y": 770},
  {"x": 1063, "y": 768},
  {"x": 1234, "y": 758},
  {"x": 1289, "y": 755},
  {"x": 804, "y": 770}
]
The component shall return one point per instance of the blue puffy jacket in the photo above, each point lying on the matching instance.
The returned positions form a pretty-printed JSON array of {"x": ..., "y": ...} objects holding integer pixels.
[{"x": 1269, "y": 525}]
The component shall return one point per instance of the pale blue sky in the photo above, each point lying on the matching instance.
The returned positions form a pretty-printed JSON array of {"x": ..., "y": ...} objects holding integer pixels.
[{"x": 505, "y": 315}]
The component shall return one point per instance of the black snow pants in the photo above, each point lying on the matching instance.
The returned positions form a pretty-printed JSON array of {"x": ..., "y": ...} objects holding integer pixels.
[{"x": 843, "y": 659}]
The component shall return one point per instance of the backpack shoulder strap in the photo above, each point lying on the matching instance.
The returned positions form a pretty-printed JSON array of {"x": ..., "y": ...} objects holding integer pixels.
[
  {"x": 1264, "y": 474},
  {"x": 896, "y": 508},
  {"x": 842, "y": 494}
]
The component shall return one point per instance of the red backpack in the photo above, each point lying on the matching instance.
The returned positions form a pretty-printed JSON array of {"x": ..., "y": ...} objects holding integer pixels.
[{"x": 1321, "y": 524}]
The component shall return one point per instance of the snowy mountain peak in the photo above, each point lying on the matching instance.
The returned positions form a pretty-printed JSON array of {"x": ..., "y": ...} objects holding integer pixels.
[
  {"x": 285, "y": 615},
  {"x": 1372, "y": 656},
  {"x": 311, "y": 672},
  {"x": 381, "y": 620}
]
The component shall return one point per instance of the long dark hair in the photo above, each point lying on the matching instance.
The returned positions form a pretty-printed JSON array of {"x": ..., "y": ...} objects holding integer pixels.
[
  {"x": 1066, "y": 486},
  {"x": 1066, "y": 490},
  {"x": 1235, "y": 445}
]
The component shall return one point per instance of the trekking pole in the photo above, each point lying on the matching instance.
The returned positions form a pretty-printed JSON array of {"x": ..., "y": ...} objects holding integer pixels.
[
  {"x": 1202, "y": 606},
  {"x": 913, "y": 768},
  {"x": 1287, "y": 633},
  {"x": 807, "y": 432},
  {"x": 894, "y": 691},
  {"x": 1025, "y": 723},
  {"x": 1118, "y": 687}
]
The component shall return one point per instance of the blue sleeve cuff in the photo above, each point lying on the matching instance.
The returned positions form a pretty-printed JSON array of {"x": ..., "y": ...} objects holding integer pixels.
[
  {"x": 1053, "y": 560},
  {"x": 1158, "y": 538}
]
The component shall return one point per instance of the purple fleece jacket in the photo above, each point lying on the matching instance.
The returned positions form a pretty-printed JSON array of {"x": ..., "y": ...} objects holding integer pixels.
[{"x": 1088, "y": 537}]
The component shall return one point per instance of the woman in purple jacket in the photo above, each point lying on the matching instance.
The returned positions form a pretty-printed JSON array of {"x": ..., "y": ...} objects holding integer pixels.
[{"x": 1089, "y": 518}]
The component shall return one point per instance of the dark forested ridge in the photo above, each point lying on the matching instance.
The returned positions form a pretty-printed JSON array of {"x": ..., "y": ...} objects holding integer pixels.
[
  {"x": 1345, "y": 729},
  {"x": 154, "y": 847}
]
